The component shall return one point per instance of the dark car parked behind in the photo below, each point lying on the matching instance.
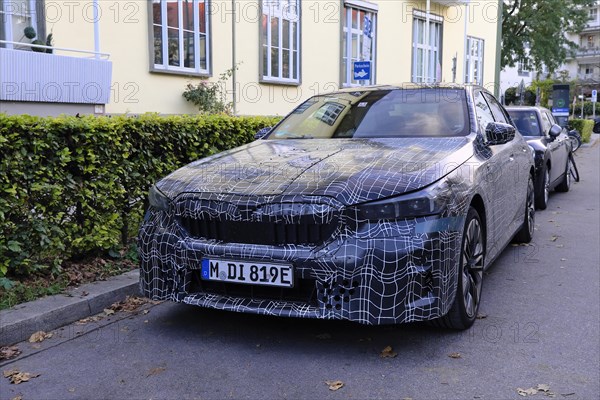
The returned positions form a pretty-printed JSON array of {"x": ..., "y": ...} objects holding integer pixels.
[{"x": 552, "y": 147}]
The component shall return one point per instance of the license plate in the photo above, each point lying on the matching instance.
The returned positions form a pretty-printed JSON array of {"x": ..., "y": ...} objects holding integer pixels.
[{"x": 254, "y": 273}]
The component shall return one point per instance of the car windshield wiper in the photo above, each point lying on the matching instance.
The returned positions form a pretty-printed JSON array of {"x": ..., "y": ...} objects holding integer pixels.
[{"x": 299, "y": 137}]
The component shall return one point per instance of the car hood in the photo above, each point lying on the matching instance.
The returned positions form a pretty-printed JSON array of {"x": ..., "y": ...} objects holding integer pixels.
[{"x": 349, "y": 170}]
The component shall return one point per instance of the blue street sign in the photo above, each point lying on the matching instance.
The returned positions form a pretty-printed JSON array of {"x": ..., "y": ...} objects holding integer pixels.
[{"x": 362, "y": 70}]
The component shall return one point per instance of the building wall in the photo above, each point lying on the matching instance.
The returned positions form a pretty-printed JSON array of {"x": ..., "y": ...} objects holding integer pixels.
[{"x": 124, "y": 35}]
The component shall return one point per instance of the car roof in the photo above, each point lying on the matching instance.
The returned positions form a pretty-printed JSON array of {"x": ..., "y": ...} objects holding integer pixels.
[
  {"x": 409, "y": 86},
  {"x": 525, "y": 108}
]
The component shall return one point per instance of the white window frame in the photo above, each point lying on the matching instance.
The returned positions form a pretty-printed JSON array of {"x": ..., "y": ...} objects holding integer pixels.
[
  {"x": 6, "y": 15},
  {"x": 165, "y": 66},
  {"x": 363, "y": 7},
  {"x": 288, "y": 10},
  {"x": 593, "y": 15},
  {"x": 431, "y": 53},
  {"x": 475, "y": 54},
  {"x": 523, "y": 67}
]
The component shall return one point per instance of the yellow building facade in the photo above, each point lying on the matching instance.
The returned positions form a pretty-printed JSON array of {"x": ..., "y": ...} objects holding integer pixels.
[{"x": 284, "y": 50}]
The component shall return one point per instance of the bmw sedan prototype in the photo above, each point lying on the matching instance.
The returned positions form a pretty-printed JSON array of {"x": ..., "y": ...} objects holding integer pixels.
[{"x": 378, "y": 205}]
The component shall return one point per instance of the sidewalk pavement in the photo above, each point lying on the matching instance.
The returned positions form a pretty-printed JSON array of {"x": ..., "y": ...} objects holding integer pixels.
[{"x": 51, "y": 312}]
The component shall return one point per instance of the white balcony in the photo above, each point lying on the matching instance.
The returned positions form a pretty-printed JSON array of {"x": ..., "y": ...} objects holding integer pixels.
[{"x": 28, "y": 76}]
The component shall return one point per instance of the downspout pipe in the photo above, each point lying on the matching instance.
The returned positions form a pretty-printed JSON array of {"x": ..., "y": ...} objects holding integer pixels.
[
  {"x": 96, "y": 28},
  {"x": 233, "y": 57}
]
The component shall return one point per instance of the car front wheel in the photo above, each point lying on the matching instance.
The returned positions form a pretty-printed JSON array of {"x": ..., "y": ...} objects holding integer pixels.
[{"x": 463, "y": 312}]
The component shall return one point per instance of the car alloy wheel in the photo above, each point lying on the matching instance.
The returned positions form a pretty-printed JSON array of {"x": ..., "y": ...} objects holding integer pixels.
[
  {"x": 463, "y": 312},
  {"x": 565, "y": 184},
  {"x": 541, "y": 198},
  {"x": 525, "y": 234},
  {"x": 472, "y": 267}
]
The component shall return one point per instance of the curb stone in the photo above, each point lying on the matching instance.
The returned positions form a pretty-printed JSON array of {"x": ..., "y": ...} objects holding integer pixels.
[{"x": 51, "y": 312}]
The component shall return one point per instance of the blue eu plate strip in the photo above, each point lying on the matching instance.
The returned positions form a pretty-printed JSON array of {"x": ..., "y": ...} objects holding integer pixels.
[{"x": 205, "y": 266}]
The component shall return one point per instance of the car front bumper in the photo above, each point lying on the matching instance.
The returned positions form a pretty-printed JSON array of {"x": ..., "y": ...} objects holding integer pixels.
[{"x": 383, "y": 272}]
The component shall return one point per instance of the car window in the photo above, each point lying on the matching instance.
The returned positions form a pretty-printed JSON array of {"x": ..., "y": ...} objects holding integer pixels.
[
  {"x": 484, "y": 114},
  {"x": 526, "y": 122},
  {"x": 546, "y": 124},
  {"x": 551, "y": 118},
  {"x": 497, "y": 110},
  {"x": 437, "y": 112}
]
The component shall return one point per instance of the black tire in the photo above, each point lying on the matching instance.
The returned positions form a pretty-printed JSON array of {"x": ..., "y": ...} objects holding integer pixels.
[
  {"x": 525, "y": 234},
  {"x": 565, "y": 184},
  {"x": 469, "y": 277},
  {"x": 543, "y": 190}
]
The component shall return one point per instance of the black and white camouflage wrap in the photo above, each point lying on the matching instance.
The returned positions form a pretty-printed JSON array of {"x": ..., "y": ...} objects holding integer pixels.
[{"x": 372, "y": 272}]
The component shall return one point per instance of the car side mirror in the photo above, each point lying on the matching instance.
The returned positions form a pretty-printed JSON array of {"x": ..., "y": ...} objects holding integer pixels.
[
  {"x": 555, "y": 130},
  {"x": 499, "y": 133},
  {"x": 263, "y": 132}
]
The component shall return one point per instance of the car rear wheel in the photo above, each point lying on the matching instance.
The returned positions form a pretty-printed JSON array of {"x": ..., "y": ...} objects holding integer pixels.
[
  {"x": 525, "y": 234},
  {"x": 565, "y": 184},
  {"x": 463, "y": 312},
  {"x": 543, "y": 192}
]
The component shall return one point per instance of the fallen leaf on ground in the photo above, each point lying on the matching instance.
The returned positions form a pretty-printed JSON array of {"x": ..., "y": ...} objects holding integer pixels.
[
  {"x": 19, "y": 397},
  {"x": 563, "y": 259},
  {"x": 481, "y": 316},
  {"x": 109, "y": 311},
  {"x": 155, "y": 371},
  {"x": 526, "y": 392},
  {"x": 542, "y": 387},
  {"x": 39, "y": 336},
  {"x": 334, "y": 385},
  {"x": 454, "y": 355},
  {"x": 8, "y": 352},
  {"x": 71, "y": 390},
  {"x": 324, "y": 336},
  {"x": 17, "y": 376},
  {"x": 145, "y": 312},
  {"x": 87, "y": 320},
  {"x": 388, "y": 352},
  {"x": 553, "y": 238},
  {"x": 560, "y": 245}
]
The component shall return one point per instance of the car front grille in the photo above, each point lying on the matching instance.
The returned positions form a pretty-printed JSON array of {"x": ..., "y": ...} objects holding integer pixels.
[{"x": 260, "y": 232}]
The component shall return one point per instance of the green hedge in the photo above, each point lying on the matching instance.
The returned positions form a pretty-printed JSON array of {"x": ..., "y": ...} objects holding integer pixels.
[
  {"x": 71, "y": 186},
  {"x": 584, "y": 126}
]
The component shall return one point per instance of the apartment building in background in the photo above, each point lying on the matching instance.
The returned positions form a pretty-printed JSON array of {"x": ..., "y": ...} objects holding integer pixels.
[
  {"x": 137, "y": 56},
  {"x": 583, "y": 65}
]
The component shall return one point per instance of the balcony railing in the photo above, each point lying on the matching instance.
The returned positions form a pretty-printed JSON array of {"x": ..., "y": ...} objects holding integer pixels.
[
  {"x": 32, "y": 76},
  {"x": 586, "y": 52}
]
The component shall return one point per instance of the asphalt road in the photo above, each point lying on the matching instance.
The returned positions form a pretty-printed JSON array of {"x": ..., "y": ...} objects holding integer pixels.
[{"x": 542, "y": 325}]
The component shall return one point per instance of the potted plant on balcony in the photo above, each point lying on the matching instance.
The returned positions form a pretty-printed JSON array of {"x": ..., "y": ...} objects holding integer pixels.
[{"x": 30, "y": 33}]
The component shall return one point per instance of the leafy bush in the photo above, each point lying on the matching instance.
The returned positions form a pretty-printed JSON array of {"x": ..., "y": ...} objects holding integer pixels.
[
  {"x": 74, "y": 186},
  {"x": 587, "y": 108},
  {"x": 584, "y": 126}
]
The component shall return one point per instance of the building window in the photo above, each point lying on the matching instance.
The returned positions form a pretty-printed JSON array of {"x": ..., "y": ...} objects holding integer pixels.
[
  {"x": 358, "y": 40},
  {"x": 523, "y": 67},
  {"x": 593, "y": 14},
  {"x": 427, "y": 46},
  {"x": 15, "y": 16},
  {"x": 180, "y": 36},
  {"x": 474, "y": 61},
  {"x": 280, "y": 41}
]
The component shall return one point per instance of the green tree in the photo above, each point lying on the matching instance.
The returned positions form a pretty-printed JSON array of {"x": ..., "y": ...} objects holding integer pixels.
[{"x": 541, "y": 26}]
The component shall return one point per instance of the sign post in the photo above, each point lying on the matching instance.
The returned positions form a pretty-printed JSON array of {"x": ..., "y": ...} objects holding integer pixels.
[{"x": 594, "y": 100}]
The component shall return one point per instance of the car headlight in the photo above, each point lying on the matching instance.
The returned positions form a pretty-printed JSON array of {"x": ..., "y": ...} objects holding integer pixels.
[
  {"x": 158, "y": 199},
  {"x": 425, "y": 202}
]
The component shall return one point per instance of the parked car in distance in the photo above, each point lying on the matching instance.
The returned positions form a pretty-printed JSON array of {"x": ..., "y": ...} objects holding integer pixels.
[
  {"x": 379, "y": 205},
  {"x": 596, "y": 128},
  {"x": 552, "y": 146}
]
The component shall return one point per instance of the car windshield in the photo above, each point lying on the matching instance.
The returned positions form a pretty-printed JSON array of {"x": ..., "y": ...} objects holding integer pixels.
[
  {"x": 526, "y": 122},
  {"x": 435, "y": 112}
]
